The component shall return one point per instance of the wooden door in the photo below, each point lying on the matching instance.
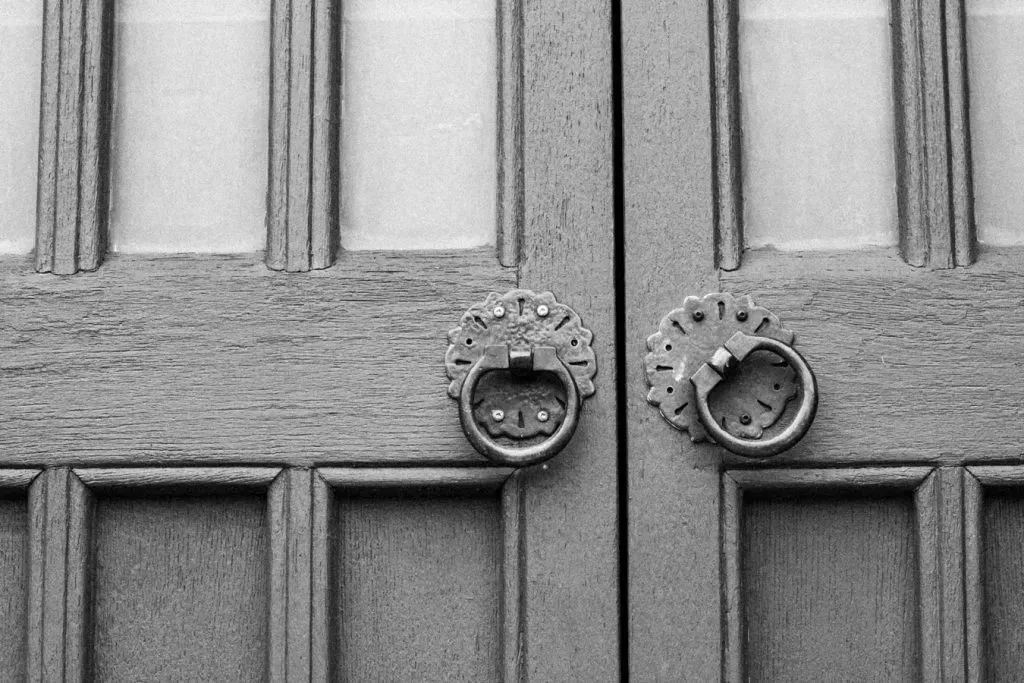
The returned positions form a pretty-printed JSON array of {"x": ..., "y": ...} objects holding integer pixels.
[
  {"x": 848, "y": 165},
  {"x": 245, "y": 466}
]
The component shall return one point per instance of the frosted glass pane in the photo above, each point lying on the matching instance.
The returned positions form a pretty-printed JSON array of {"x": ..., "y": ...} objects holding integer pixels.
[
  {"x": 818, "y": 131},
  {"x": 191, "y": 106},
  {"x": 995, "y": 59},
  {"x": 21, "y": 33},
  {"x": 418, "y": 124}
]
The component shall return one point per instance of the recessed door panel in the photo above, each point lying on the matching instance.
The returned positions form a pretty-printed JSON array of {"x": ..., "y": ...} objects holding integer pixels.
[{"x": 13, "y": 585}]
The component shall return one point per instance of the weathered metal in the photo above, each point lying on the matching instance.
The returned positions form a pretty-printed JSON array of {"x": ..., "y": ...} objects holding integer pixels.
[{"x": 519, "y": 365}]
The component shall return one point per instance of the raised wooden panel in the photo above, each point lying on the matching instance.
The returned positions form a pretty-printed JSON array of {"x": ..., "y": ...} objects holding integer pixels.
[
  {"x": 14, "y": 529},
  {"x": 180, "y": 588},
  {"x": 830, "y": 588},
  {"x": 418, "y": 584}
]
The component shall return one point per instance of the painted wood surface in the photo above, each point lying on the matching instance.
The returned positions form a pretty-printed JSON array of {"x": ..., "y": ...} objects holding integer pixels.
[
  {"x": 571, "y": 526},
  {"x": 180, "y": 588},
  {"x": 14, "y": 532},
  {"x": 211, "y": 360}
]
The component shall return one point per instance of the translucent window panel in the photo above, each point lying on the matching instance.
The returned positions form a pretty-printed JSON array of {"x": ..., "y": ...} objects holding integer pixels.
[
  {"x": 419, "y": 111},
  {"x": 21, "y": 33},
  {"x": 191, "y": 108},
  {"x": 818, "y": 123},
  {"x": 995, "y": 60}
]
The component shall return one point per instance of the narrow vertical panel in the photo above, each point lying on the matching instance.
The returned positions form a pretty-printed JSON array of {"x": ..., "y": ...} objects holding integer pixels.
[
  {"x": 302, "y": 201},
  {"x": 418, "y": 134},
  {"x": 418, "y": 585},
  {"x": 973, "y": 591},
  {"x": 927, "y": 503},
  {"x": 322, "y": 613},
  {"x": 74, "y": 136},
  {"x": 815, "y": 82},
  {"x": 730, "y": 520},
  {"x": 277, "y": 630},
  {"x": 995, "y": 50},
  {"x": 725, "y": 141},
  {"x": 932, "y": 150},
  {"x": 829, "y": 588},
  {"x": 511, "y": 188},
  {"x": 14, "y": 561},
  {"x": 21, "y": 37},
  {"x": 513, "y": 640},
  {"x": 60, "y": 508},
  {"x": 69, "y": 113},
  {"x": 180, "y": 588},
  {"x": 1002, "y": 566},
  {"x": 300, "y": 540},
  {"x": 189, "y": 164},
  {"x": 951, "y": 538}
]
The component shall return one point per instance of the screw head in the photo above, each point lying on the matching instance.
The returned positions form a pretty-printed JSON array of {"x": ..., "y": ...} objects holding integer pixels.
[
  {"x": 497, "y": 415},
  {"x": 745, "y": 419},
  {"x": 543, "y": 416},
  {"x": 499, "y": 311},
  {"x": 698, "y": 315},
  {"x": 741, "y": 316},
  {"x": 542, "y": 310}
]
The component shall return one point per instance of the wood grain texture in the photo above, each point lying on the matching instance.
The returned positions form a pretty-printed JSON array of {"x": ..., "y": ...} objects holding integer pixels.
[
  {"x": 302, "y": 224},
  {"x": 60, "y": 512},
  {"x": 436, "y": 479},
  {"x": 217, "y": 360},
  {"x": 1001, "y": 564},
  {"x": 939, "y": 503},
  {"x": 513, "y": 571},
  {"x": 418, "y": 586},
  {"x": 511, "y": 116},
  {"x": 993, "y": 477},
  {"x": 14, "y": 533},
  {"x": 850, "y": 479},
  {"x": 727, "y": 172},
  {"x": 180, "y": 588},
  {"x": 932, "y": 151},
  {"x": 177, "y": 479},
  {"x": 829, "y": 589},
  {"x": 974, "y": 594},
  {"x": 16, "y": 480},
  {"x": 74, "y": 135},
  {"x": 670, "y": 213},
  {"x": 298, "y": 591},
  {"x": 569, "y": 249},
  {"x": 894, "y": 347}
]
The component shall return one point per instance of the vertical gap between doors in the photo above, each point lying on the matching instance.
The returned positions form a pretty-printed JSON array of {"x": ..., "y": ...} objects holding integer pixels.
[{"x": 620, "y": 337}]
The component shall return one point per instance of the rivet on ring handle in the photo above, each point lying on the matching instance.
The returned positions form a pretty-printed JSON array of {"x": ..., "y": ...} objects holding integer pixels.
[
  {"x": 713, "y": 372},
  {"x": 529, "y": 359}
]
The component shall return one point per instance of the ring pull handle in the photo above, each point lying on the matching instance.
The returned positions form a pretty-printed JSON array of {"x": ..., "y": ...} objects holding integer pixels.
[
  {"x": 514, "y": 418},
  {"x": 528, "y": 360},
  {"x": 703, "y": 345},
  {"x": 723, "y": 361}
]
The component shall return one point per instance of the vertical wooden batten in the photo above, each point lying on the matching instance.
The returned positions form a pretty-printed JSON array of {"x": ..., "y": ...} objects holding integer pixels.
[
  {"x": 60, "y": 507},
  {"x": 302, "y": 200},
  {"x": 511, "y": 184},
  {"x": 299, "y": 611},
  {"x": 932, "y": 140},
  {"x": 74, "y": 139},
  {"x": 727, "y": 184}
]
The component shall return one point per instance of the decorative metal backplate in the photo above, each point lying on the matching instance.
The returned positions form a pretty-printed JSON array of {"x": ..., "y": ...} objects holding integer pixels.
[
  {"x": 757, "y": 391},
  {"x": 520, "y": 319}
]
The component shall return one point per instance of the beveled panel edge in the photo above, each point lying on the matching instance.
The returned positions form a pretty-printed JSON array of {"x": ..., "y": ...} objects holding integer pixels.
[
  {"x": 809, "y": 480},
  {"x": 974, "y": 592},
  {"x": 17, "y": 479},
  {"x": 413, "y": 479},
  {"x": 176, "y": 479}
]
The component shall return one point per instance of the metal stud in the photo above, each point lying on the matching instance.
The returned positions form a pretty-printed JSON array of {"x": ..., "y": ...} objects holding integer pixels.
[
  {"x": 497, "y": 415},
  {"x": 698, "y": 315},
  {"x": 543, "y": 416},
  {"x": 542, "y": 310},
  {"x": 499, "y": 311}
]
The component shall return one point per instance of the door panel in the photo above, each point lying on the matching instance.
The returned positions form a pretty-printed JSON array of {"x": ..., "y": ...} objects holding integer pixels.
[
  {"x": 319, "y": 391},
  {"x": 13, "y": 581}
]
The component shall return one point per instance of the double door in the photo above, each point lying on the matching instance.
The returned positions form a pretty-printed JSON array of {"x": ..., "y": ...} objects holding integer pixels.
[{"x": 246, "y": 466}]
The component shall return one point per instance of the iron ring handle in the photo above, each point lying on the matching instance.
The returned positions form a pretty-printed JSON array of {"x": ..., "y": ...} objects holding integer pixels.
[
  {"x": 544, "y": 359},
  {"x": 733, "y": 352}
]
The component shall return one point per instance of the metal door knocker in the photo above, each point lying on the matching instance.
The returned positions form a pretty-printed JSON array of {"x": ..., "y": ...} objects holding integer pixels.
[
  {"x": 702, "y": 346},
  {"x": 520, "y": 365}
]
